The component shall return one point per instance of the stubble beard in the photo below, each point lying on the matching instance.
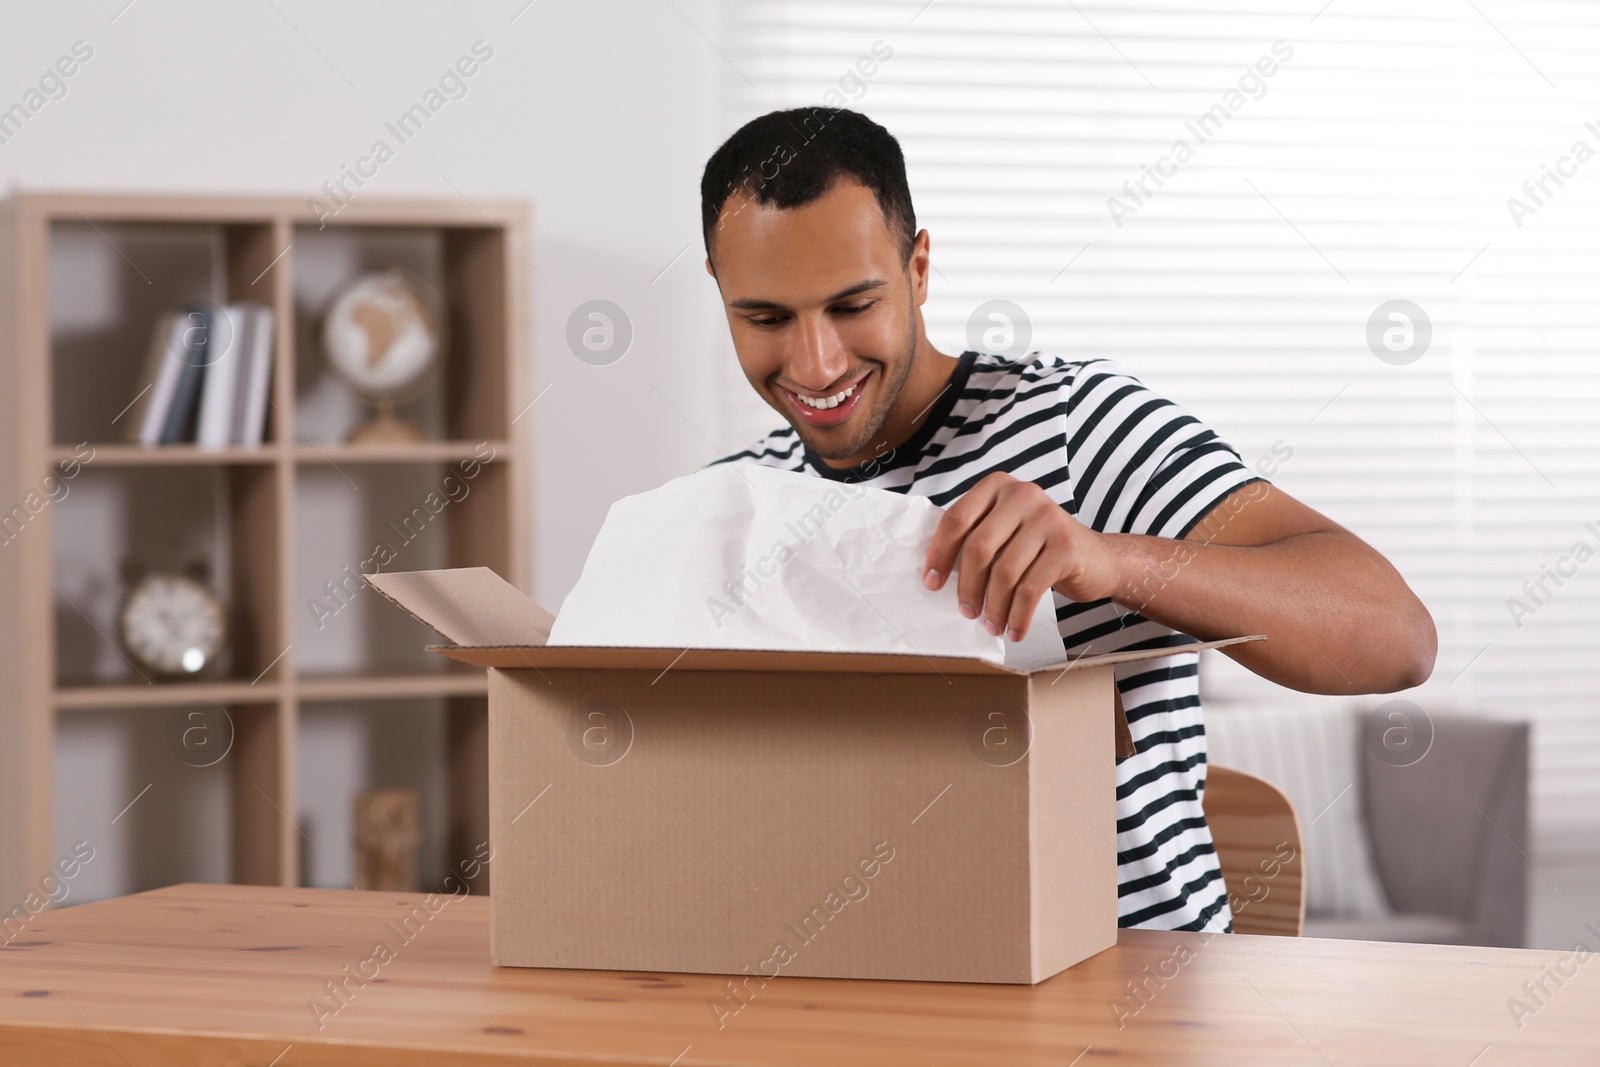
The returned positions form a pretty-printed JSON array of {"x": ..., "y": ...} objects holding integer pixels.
[{"x": 889, "y": 393}]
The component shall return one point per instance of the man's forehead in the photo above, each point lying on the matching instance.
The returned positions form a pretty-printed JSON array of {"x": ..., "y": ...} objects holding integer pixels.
[{"x": 814, "y": 249}]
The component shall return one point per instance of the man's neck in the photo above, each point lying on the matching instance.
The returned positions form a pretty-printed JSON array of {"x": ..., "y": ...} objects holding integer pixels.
[{"x": 930, "y": 375}]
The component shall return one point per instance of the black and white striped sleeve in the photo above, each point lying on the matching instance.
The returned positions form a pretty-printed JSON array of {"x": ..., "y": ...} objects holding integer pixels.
[{"x": 1140, "y": 463}]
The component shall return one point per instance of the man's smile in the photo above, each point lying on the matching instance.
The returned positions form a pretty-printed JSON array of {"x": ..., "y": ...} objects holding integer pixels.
[{"x": 825, "y": 411}]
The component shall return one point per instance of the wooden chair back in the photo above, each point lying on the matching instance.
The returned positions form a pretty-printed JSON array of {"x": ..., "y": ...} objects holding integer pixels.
[{"x": 1258, "y": 841}]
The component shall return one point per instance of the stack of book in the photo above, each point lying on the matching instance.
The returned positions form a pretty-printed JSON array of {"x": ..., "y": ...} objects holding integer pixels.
[{"x": 206, "y": 378}]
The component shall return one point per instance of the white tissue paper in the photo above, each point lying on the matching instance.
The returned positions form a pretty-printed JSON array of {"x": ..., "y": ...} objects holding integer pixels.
[{"x": 751, "y": 557}]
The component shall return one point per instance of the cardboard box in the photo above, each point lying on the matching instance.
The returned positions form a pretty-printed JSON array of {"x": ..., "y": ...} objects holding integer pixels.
[{"x": 796, "y": 813}]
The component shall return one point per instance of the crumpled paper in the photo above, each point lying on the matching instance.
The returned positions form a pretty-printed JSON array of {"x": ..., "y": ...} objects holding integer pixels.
[{"x": 750, "y": 557}]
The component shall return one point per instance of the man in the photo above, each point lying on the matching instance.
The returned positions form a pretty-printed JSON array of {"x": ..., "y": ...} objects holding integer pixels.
[{"x": 1060, "y": 477}]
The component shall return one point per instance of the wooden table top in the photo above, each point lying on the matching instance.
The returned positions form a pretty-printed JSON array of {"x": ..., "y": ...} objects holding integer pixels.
[{"x": 206, "y": 974}]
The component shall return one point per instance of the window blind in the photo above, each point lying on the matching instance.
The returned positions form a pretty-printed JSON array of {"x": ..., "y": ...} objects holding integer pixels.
[{"x": 1220, "y": 197}]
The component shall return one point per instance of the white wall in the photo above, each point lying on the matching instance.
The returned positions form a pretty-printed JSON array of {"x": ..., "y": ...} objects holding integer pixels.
[{"x": 601, "y": 114}]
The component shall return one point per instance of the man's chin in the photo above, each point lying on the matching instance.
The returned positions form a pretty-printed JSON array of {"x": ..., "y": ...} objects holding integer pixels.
[
  {"x": 849, "y": 439},
  {"x": 839, "y": 443}
]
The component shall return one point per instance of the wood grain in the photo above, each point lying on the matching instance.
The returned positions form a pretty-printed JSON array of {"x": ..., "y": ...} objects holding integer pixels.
[
  {"x": 261, "y": 840},
  {"x": 1259, "y": 844},
  {"x": 196, "y": 974},
  {"x": 371, "y": 211},
  {"x": 27, "y": 623}
]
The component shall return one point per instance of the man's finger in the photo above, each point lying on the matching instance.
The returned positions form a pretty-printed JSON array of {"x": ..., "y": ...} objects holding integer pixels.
[
  {"x": 1035, "y": 583},
  {"x": 1007, "y": 569},
  {"x": 952, "y": 531},
  {"x": 979, "y": 552}
]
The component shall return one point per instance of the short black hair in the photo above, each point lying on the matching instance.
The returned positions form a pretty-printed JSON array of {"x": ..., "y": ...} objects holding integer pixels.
[{"x": 789, "y": 158}]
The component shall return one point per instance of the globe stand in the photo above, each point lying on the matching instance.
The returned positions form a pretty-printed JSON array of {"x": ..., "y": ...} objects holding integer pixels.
[{"x": 386, "y": 429}]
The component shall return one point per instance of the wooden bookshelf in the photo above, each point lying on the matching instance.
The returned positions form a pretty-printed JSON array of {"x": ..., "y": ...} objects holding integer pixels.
[{"x": 61, "y": 385}]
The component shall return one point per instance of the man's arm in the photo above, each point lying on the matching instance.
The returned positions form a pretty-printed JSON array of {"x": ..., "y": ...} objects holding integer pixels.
[{"x": 1339, "y": 617}]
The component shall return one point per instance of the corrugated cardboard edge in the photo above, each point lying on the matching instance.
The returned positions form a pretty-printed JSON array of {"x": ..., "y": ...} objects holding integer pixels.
[
  {"x": 397, "y": 603},
  {"x": 468, "y": 606},
  {"x": 1124, "y": 736},
  {"x": 1071, "y": 842},
  {"x": 620, "y": 657},
  {"x": 624, "y": 657}
]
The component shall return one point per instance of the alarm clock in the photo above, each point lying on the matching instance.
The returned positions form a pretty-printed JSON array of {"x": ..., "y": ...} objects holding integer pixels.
[{"x": 172, "y": 624}]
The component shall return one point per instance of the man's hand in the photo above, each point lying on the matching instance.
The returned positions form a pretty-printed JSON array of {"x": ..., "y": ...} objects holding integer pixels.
[
  {"x": 1009, "y": 543},
  {"x": 1340, "y": 618}
]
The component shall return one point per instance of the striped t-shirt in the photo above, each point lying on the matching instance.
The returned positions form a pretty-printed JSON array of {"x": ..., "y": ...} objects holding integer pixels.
[{"x": 1122, "y": 460}]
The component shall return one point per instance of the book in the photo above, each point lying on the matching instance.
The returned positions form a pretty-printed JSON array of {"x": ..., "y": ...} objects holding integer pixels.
[
  {"x": 245, "y": 339},
  {"x": 157, "y": 382},
  {"x": 207, "y": 378},
  {"x": 226, "y": 352},
  {"x": 194, "y": 327},
  {"x": 254, "y": 421},
  {"x": 233, "y": 403}
]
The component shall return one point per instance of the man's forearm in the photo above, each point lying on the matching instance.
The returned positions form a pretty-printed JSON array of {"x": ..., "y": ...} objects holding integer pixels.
[{"x": 1339, "y": 618}]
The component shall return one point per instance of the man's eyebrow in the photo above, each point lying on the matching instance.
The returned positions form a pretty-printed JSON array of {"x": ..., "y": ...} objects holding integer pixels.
[{"x": 751, "y": 303}]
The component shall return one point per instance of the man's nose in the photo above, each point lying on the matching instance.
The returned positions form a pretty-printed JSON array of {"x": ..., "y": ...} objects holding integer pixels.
[{"x": 818, "y": 359}]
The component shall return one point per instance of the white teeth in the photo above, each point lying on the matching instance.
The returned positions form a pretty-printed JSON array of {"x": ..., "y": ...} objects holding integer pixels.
[{"x": 827, "y": 402}]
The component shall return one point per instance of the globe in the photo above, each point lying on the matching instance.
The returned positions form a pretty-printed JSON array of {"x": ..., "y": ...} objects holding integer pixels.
[{"x": 382, "y": 336}]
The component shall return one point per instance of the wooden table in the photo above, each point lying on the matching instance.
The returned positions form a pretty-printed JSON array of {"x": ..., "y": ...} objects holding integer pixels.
[{"x": 202, "y": 974}]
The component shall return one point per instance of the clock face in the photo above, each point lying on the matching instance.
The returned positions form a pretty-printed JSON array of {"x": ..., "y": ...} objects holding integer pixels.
[{"x": 173, "y": 625}]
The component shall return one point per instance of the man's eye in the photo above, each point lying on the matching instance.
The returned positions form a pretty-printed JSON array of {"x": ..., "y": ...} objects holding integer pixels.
[
  {"x": 855, "y": 308},
  {"x": 769, "y": 321}
]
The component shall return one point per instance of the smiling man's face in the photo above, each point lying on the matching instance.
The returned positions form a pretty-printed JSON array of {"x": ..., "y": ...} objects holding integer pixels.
[{"x": 823, "y": 313}]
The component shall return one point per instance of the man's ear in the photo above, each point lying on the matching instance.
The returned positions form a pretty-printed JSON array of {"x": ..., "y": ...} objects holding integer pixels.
[
  {"x": 708, "y": 267},
  {"x": 917, "y": 267}
]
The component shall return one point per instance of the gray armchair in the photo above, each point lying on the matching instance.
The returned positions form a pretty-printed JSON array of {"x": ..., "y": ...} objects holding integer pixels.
[{"x": 1449, "y": 838}]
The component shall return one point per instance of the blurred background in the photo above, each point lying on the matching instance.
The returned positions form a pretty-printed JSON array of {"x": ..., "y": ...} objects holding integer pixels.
[{"x": 1355, "y": 238}]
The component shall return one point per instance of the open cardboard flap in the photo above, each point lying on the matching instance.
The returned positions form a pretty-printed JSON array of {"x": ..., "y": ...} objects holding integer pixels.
[
  {"x": 471, "y": 607},
  {"x": 491, "y": 623}
]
